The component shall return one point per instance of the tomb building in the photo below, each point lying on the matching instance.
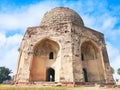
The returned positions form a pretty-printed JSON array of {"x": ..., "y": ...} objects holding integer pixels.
[{"x": 62, "y": 49}]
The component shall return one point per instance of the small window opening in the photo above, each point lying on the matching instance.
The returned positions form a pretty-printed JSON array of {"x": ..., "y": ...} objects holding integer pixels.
[
  {"x": 82, "y": 57},
  {"x": 51, "y": 55}
]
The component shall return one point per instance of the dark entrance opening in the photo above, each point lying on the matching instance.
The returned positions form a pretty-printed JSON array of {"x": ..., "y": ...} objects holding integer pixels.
[
  {"x": 85, "y": 75},
  {"x": 50, "y": 75}
]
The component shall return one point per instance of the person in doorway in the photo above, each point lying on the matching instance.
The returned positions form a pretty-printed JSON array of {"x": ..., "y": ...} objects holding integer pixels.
[{"x": 51, "y": 78}]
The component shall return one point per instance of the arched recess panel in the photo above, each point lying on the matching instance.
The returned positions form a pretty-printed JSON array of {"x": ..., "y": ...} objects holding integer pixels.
[
  {"x": 45, "y": 54},
  {"x": 92, "y": 62}
]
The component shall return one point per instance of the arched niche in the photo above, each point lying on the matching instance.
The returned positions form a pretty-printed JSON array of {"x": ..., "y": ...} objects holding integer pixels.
[
  {"x": 89, "y": 51},
  {"x": 45, "y": 55},
  {"x": 92, "y": 62}
]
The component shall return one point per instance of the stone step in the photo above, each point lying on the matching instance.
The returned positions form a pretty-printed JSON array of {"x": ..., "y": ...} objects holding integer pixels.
[{"x": 47, "y": 83}]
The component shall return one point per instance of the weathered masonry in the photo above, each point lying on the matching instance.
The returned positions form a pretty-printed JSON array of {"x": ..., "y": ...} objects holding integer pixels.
[{"x": 61, "y": 49}]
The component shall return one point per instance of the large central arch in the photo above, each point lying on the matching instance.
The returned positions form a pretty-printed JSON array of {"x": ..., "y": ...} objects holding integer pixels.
[
  {"x": 45, "y": 55},
  {"x": 91, "y": 62}
]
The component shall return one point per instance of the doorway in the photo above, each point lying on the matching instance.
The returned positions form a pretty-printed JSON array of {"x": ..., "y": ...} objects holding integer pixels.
[
  {"x": 50, "y": 75},
  {"x": 85, "y": 75}
]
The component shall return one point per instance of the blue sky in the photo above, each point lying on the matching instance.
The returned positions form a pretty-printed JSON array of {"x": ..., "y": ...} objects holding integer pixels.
[{"x": 17, "y": 15}]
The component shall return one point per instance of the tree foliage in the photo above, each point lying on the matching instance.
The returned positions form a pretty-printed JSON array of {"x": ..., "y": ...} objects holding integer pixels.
[
  {"x": 112, "y": 70},
  {"x": 4, "y": 74},
  {"x": 118, "y": 71}
]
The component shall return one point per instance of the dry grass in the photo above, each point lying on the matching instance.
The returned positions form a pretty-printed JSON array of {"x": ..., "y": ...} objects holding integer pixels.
[{"x": 11, "y": 87}]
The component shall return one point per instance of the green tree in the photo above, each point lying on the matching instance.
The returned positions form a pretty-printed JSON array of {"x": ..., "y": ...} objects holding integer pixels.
[
  {"x": 112, "y": 70},
  {"x": 118, "y": 71},
  {"x": 4, "y": 74}
]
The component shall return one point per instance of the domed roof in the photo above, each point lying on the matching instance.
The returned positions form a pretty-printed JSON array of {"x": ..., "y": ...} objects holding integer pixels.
[{"x": 61, "y": 15}]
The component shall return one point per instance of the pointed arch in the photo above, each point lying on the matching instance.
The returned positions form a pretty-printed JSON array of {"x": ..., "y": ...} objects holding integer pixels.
[
  {"x": 91, "y": 61},
  {"x": 89, "y": 51},
  {"x": 41, "y": 58}
]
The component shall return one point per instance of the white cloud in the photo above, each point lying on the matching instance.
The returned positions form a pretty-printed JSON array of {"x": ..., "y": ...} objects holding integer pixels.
[
  {"x": 114, "y": 56},
  {"x": 109, "y": 22},
  {"x": 116, "y": 64},
  {"x": 112, "y": 51},
  {"x": 2, "y": 40},
  {"x": 9, "y": 50},
  {"x": 23, "y": 17},
  {"x": 104, "y": 23}
]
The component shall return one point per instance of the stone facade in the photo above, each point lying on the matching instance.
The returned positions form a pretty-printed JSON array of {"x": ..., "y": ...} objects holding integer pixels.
[{"x": 65, "y": 49}]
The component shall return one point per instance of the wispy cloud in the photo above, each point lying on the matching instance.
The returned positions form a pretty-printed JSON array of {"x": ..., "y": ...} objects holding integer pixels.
[
  {"x": 23, "y": 17},
  {"x": 114, "y": 56},
  {"x": 9, "y": 50}
]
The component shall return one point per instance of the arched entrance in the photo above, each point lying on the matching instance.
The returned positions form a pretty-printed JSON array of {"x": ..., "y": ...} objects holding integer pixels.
[
  {"x": 91, "y": 62},
  {"x": 85, "y": 75},
  {"x": 50, "y": 75},
  {"x": 45, "y": 55}
]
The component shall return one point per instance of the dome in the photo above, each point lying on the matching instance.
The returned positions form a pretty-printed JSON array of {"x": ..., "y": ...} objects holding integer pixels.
[{"x": 61, "y": 15}]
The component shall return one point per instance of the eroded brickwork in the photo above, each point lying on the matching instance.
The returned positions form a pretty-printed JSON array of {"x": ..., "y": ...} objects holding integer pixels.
[{"x": 62, "y": 32}]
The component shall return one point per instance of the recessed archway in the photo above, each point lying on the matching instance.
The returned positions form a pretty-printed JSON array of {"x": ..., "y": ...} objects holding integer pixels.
[
  {"x": 45, "y": 55},
  {"x": 91, "y": 62},
  {"x": 89, "y": 51}
]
